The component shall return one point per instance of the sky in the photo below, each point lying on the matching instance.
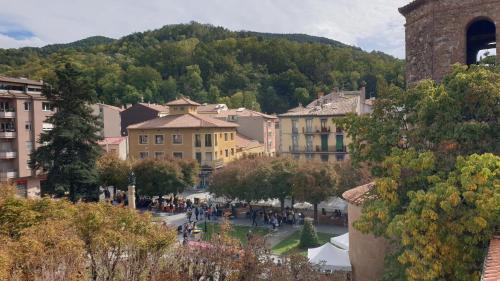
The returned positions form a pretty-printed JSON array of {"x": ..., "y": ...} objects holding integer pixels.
[{"x": 369, "y": 24}]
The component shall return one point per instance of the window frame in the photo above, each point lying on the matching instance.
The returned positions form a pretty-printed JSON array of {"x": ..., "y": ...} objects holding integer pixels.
[
  {"x": 162, "y": 139},
  {"x": 141, "y": 139}
]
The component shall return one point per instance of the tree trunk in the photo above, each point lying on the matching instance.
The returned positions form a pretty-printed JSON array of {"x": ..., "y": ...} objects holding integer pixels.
[
  {"x": 316, "y": 212},
  {"x": 282, "y": 202},
  {"x": 293, "y": 202}
]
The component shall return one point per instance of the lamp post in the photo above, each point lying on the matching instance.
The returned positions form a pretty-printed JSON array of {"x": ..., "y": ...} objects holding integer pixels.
[{"x": 131, "y": 190}]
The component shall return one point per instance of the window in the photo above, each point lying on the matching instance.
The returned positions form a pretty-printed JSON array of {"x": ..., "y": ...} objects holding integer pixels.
[
  {"x": 47, "y": 126},
  {"x": 143, "y": 155},
  {"x": 225, "y": 136},
  {"x": 143, "y": 139},
  {"x": 197, "y": 140},
  {"x": 309, "y": 156},
  {"x": 28, "y": 126},
  {"x": 215, "y": 155},
  {"x": 309, "y": 143},
  {"x": 208, "y": 156},
  {"x": 159, "y": 154},
  {"x": 47, "y": 106},
  {"x": 295, "y": 129},
  {"x": 340, "y": 157},
  {"x": 177, "y": 139},
  {"x": 177, "y": 155},
  {"x": 295, "y": 143},
  {"x": 324, "y": 158},
  {"x": 198, "y": 157},
  {"x": 232, "y": 136},
  {"x": 215, "y": 139},
  {"x": 232, "y": 118},
  {"x": 208, "y": 140},
  {"x": 309, "y": 125},
  {"x": 227, "y": 153},
  {"x": 232, "y": 151},
  {"x": 27, "y": 105},
  {"x": 29, "y": 145},
  {"x": 159, "y": 139}
]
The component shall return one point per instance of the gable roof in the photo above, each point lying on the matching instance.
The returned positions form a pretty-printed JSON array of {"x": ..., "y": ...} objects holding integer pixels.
[
  {"x": 244, "y": 112},
  {"x": 188, "y": 120},
  {"x": 244, "y": 142},
  {"x": 360, "y": 194},
  {"x": 20, "y": 81},
  {"x": 183, "y": 101},
  {"x": 154, "y": 106}
]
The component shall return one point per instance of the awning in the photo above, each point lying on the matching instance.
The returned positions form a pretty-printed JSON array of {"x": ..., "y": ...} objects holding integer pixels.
[
  {"x": 330, "y": 257},
  {"x": 341, "y": 241}
]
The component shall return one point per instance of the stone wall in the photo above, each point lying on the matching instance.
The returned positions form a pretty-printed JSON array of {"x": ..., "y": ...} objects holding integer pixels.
[{"x": 436, "y": 34}]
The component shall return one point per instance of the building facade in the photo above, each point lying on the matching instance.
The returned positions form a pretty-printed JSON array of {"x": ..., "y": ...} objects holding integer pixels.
[
  {"x": 440, "y": 33},
  {"x": 110, "y": 118},
  {"x": 23, "y": 111},
  {"x": 115, "y": 145},
  {"x": 141, "y": 112},
  {"x": 251, "y": 124},
  {"x": 187, "y": 135},
  {"x": 310, "y": 132}
]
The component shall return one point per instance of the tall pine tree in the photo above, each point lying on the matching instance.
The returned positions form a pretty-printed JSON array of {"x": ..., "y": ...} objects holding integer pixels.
[{"x": 68, "y": 153}]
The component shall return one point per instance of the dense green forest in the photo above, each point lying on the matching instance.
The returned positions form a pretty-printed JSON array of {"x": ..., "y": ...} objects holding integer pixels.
[{"x": 271, "y": 72}]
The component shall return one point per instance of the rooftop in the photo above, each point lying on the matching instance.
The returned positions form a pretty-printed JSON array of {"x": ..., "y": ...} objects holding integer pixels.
[
  {"x": 244, "y": 112},
  {"x": 112, "y": 140},
  {"x": 245, "y": 142},
  {"x": 154, "y": 106},
  {"x": 183, "y": 101},
  {"x": 23, "y": 81},
  {"x": 188, "y": 120},
  {"x": 110, "y": 106},
  {"x": 360, "y": 194},
  {"x": 211, "y": 108},
  {"x": 491, "y": 270}
]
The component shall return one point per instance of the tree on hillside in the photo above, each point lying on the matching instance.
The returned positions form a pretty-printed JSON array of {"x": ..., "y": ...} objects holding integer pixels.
[
  {"x": 155, "y": 177},
  {"x": 69, "y": 151},
  {"x": 314, "y": 182}
]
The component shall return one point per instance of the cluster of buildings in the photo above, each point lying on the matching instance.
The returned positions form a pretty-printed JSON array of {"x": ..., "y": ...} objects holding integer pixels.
[{"x": 211, "y": 134}]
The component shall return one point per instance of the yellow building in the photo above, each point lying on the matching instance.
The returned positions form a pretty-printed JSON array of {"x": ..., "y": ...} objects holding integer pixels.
[
  {"x": 185, "y": 134},
  {"x": 310, "y": 133}
]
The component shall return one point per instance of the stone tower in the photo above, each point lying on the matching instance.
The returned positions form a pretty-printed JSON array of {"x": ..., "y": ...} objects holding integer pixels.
[{"x": 440, "y": 33}]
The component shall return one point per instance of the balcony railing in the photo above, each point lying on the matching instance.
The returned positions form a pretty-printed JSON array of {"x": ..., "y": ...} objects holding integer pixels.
[
  {"x": 8, "y": 154},
  {"x": 7, "y": 175},
  {"x": 7, "y": 113},
  {"x": 316, "y": 130},
  {"x": 295, "y": 130},
  {"x": 318, "y": 149},
  {"x": 8, "y": 134}
]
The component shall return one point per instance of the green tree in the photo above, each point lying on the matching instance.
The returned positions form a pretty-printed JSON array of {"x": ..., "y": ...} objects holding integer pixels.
[
  {"x": 308, "y": 235},
  {"x": 113, "y": 171},
  {"x": 313, "y": 182},
  {"x": 301, "y": 95},
  {"x": 157, "y": 177},
  {"x": 69, "y": 151}
]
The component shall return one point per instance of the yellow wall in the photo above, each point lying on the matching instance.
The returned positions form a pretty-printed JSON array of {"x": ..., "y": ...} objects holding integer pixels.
[
  {"x": 182, "y": 109},
  {"x": 286, "y": 137},
  {"x": 187, "y": 147}
]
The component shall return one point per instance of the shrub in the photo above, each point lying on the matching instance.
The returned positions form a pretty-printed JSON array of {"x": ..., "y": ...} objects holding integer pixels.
[{"x": 308, "y": 237}]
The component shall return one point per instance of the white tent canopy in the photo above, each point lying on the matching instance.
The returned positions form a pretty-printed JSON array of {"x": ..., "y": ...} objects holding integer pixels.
[
  {"x": 330, "y": 258},
  {"x": 341, "y": 241},
  {"x": 332, "y": 204}
]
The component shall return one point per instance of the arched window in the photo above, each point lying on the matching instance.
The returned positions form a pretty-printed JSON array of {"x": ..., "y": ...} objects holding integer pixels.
[{"x": 481, "y": 41}]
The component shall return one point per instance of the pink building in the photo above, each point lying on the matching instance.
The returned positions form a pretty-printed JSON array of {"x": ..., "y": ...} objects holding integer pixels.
[{"x": 23, "y": 111}]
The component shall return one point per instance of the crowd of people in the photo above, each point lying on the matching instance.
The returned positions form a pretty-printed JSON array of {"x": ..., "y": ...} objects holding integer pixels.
[{"x": 275, "y": 218}]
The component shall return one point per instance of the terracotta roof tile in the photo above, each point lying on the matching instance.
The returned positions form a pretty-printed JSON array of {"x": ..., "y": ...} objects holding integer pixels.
[
  {"x": 491, "y": 270},
  {"x": 360, "y": 194},
  {"x": 244, "y": 112},
  {"x": 183, "y": 121},
  {"x": 183, "y": 101},
  {"x": 245, "y": 142},
  {"x": 20, "y": 81},
  {"x": 154, "y": 106}
]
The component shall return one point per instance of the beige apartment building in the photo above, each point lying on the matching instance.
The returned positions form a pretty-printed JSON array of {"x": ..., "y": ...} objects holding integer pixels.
[
  {"x": 185, "y": 134},
  {"x": 310, "y": 132},
  {"x": 23, "y": 111}
]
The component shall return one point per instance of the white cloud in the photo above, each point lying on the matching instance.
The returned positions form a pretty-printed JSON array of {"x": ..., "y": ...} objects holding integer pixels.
[
  {"x": 356, "y": 22},
  {"x": 7, "y": 42}
]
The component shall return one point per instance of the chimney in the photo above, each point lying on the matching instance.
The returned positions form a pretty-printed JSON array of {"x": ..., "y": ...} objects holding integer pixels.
[{"x": 362, "y": 98}]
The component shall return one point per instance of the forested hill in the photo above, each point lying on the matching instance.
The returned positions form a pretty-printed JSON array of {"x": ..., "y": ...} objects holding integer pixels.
[{"x": 273, "y": 72}]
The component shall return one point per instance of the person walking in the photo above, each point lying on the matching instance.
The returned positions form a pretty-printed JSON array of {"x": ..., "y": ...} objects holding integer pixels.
[
  {"x": 196, "y": 212},
  {"x": 189, "y": 214},
  {"x": 254, "y": 218}
]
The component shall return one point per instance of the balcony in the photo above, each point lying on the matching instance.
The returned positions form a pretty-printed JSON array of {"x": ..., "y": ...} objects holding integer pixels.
[
  {"x": 318, "y": 150},
  {"x": 295, "y": 130},
  {"x": 214, "y": 164},
  {"x": 7, "y": 113},
  {"x": 8, "y": 154},
  {"x": 7, "y": 175},
  {"x": 8, "y": 134},
  {"x": 311, "y": 131}
]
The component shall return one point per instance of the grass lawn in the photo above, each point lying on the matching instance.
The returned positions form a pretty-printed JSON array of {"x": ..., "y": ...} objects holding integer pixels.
[
  {"x": 239, "y": 232},
  {"x": 291, "y": 244}
]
